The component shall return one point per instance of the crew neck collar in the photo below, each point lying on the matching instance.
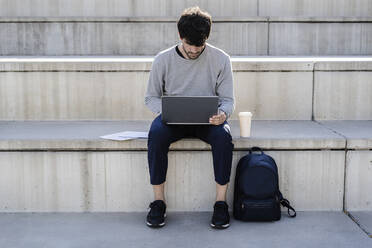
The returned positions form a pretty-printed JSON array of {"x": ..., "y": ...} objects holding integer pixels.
[{"x": 190, "y": 60}]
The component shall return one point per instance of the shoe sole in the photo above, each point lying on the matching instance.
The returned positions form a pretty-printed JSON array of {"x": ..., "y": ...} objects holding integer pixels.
[
  {"x": 221, "y": 226},
  {"x": 157, "y": 225}
]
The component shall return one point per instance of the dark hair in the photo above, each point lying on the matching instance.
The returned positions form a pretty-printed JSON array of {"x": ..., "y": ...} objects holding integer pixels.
[{"x": 194, "y": 25}]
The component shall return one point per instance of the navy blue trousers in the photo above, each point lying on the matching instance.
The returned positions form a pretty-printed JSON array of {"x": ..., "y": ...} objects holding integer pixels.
[{"x": 162, "y": 135}]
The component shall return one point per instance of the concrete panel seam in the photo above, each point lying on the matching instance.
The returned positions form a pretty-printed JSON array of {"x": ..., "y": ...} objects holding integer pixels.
[
  {"x": 131, "y": 21},
  {"x": 312, "y": 96},
  {"x": 343, "y": 70},
  {"x": 273, "y": 20},
  {"x": 84, "y": 174},
  {"x": 345, "y": 153},
  {"x": 334, "y": 131},
  {"x": 268, "y": 39},
  {"x": 359, "y": 149},
  {"x": 358, "y": 224},
  {"x": 171, "y": 150},
  {"x": 345, "y": 177},
  {"x": 105, "y": 180},
  {"x": 361, "y": 40},
  {"x": 95, "y": 70},
  {"x": 294, "y": 70},
  {"x": 173, "y": 19},
  {"x": 98, "y": 70},
  {"x": 337, "y": 22}
]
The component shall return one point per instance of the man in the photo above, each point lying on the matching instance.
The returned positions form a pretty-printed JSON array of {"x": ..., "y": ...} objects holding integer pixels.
[{"x": 191, "y": 68}]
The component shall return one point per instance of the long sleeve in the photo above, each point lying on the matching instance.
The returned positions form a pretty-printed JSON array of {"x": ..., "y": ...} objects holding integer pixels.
[
  {"x": 154, "y": 87},
  {"x": 225, "y": 89}
]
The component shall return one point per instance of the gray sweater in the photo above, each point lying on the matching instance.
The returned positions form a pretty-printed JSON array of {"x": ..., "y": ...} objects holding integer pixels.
[{"x": 208, "y": 75}]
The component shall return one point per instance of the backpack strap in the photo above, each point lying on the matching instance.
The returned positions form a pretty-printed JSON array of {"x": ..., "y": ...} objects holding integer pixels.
[{"x": 285, "y": 203}]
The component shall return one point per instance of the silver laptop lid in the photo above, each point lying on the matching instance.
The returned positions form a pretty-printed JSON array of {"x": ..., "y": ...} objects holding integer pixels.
[{"x": 188, "y": 110}]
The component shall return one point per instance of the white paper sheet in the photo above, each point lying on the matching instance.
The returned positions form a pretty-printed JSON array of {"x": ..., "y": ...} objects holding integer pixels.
[{"x": 127, "y": 135}]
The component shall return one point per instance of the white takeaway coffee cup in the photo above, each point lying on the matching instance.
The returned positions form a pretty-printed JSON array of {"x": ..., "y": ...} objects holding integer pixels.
[{"x": 245, "y": 119}]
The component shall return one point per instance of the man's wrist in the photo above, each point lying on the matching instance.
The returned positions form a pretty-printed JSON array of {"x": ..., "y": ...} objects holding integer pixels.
[{"x": 221, "y": 111}]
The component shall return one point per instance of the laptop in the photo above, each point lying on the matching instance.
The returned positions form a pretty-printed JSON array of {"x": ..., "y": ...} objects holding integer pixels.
[{"x": 188, "y": 110}]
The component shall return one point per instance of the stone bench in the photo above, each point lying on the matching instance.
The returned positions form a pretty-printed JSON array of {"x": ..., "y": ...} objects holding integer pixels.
[{"x": 65, "y": 166}]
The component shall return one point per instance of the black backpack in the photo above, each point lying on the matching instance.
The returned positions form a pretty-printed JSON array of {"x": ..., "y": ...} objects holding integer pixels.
[{"x": 256, "y": 195}]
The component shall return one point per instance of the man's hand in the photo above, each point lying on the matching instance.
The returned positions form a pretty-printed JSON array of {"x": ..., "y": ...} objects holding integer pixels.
[{"x": 218, "y": 119}]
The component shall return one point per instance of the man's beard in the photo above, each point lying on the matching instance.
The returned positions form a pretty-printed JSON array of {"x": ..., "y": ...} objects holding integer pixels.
[{"x": 193, "y": 56}]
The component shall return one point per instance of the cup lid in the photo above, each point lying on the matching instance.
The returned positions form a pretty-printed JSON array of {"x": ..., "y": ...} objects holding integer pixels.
[{"x": 245, "y": 114}]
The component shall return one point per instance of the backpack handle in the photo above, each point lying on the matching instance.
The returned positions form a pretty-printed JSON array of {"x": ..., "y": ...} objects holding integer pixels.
[{"x": 255, "y": 149}]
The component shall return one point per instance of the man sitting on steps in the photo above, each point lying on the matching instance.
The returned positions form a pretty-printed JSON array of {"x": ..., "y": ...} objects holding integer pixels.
[{"x": 191, "y": 68}]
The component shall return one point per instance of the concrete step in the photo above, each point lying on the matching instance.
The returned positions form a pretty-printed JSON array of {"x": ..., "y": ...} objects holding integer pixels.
[
  {"x": 191, "y": 230},
  {"x": 315, "y": 8},
  {"x": 358, "y": 170},
  {"x": 113, "y": 88},
  {"x": 358, "y": 163},
  {"x": 239, "y": 8},
  {"x": 85, "y": 136},
  {"x": 65, "y": 166},
  {"x": 130, "y": 8},
  {"x": 236, "y": 35}
]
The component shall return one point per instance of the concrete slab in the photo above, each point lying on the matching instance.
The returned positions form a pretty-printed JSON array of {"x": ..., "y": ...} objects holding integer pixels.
[
  {"x": 109, "y": 36},
  {"x": 358, "y": 183},
  {"x": 320, "y": 19},
  {"x": 143, "y": 63},
  {"x": 243, "y": 8},
  {"x": 112, "y": 181},
  {"x": 122, "y": 38},
  {"x": 124, "y": 8},
  {"x": 138, "y": 19},
  {"x": 334, "y": 8},
  {"x": 357, "y": 133},
  {"x": 343, "y": 65},
  {"x": 320, "y": 38},
  {"x": 364, "y": 220},
  {"x": 62, "y": 135},
  {"x": 113, "y": 88},
  {"x": 251, "y": 91},
  {"x": 308, "y": 229},
  {"x": 340, "y": 95},
  {"x": 119, "y": 95}
]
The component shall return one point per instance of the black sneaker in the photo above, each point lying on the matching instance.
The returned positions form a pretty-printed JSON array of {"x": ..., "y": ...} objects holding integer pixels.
[
  {"x": 156, "y": 215},
  {"x": 221, "y": 217}
]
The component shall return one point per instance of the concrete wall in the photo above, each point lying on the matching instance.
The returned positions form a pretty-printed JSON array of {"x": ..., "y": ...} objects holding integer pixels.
[
  {"x": 132, "y": 37},
  {"x": 274, "y": 95},
  {"x": 320, "y": 39},
  {"x": 358, "y": 195},
  {"x": 124, "y": 7},
  {"x": 174, "y": 7},
  {"x": 120, "y": 95},
  {"x": 315, "y": 7},
  {"x": 119, "y": 181},
  {"x": 121, "y": 38},
  {"x": 74, "y": 95},
  {"x": 343, "y": 95},
  {"x": 287, "y": 89}
]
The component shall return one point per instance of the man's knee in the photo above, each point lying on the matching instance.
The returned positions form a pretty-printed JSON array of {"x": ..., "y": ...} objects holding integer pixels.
[
  {"x": 159, "y": 132},
  {"x": 221, "y": 135}
]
